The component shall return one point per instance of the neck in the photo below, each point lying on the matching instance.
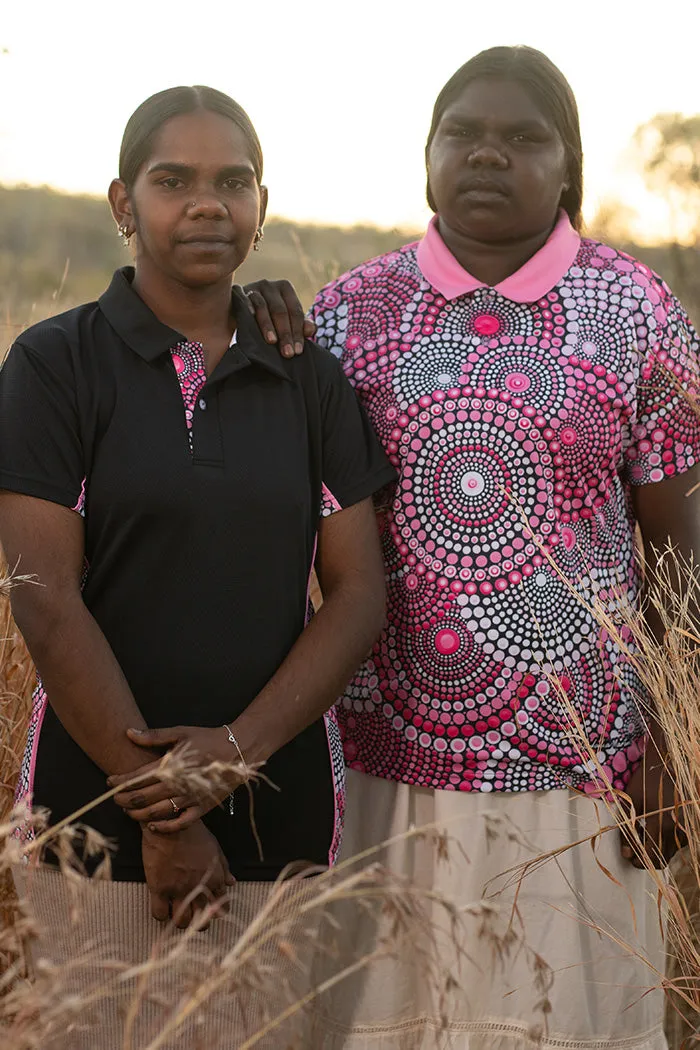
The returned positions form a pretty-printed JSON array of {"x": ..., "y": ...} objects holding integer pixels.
[
  {"x": 491, "y": 262},
  {"x": 200, "y": 314}
]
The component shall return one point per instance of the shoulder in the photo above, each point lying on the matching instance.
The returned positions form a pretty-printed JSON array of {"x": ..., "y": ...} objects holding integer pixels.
[
  {"x": 315, "y": 363},
  {"x": 597, "y": 259},
  {"x": 634, "y": 291},
  {"x": 55, "y": 335},
  {"x": 369, "y": 276}
]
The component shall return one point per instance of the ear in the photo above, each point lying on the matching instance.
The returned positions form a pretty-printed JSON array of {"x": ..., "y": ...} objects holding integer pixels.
[
  {"x": 120, "y": 204},
  {"x": 263, "y": 205}
]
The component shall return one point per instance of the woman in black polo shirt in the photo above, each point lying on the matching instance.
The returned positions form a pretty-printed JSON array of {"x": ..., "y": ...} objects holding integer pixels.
[{"x": 170, "y": 483}]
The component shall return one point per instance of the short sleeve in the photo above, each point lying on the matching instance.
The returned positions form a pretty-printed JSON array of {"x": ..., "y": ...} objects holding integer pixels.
[
  {"x": 40, "y": 448},
  {"x": 354, "y": 465},
  {"x": 664, "y": 436}
]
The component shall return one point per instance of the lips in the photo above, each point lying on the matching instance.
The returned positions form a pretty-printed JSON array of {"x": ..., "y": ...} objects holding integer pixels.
[
  {"x": 211, "y": 239},
  {"x": 484, "y": 190}
]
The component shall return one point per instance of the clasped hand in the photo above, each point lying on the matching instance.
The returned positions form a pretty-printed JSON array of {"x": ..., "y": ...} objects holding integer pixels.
[{"x": 153, "y": 802}]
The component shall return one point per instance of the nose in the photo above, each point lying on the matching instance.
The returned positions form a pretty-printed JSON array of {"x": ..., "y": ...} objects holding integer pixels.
[
  {"x": 487, "y": 154},
  {"x": 207, "y": 205}
]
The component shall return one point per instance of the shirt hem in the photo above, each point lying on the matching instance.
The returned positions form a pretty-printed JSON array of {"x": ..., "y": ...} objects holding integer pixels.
[
  {"x": 39, "y": 489},
  {"x": 355, "y": 494}
]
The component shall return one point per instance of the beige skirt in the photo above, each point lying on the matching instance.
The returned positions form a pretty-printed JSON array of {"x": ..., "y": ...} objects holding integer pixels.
[
  {"x": 562, "y": 958},
  {"x": 107, "y": 976}
]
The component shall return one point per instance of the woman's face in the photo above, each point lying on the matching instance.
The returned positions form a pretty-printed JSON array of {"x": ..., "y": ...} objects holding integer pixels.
[
  {"x": 196, "y": 203},
  {"x": 496, "y": 166}
]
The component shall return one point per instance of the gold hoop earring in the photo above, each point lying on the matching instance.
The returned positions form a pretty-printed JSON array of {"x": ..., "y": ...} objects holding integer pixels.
[{"x": 258, "y": 239}]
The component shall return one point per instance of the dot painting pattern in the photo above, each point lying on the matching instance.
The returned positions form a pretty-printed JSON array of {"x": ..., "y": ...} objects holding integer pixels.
[{"x": 517, "y": 430}]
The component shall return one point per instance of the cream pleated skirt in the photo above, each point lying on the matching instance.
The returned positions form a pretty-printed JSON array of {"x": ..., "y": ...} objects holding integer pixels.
[{"x": 563, "y": 957}]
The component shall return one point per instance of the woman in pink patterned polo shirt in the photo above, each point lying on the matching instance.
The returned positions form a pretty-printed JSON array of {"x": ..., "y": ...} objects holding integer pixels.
[{"x": 528, "y": 385}]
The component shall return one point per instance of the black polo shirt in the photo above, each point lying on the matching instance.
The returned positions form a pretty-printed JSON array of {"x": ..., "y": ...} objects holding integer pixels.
[{"x": 199, "y": 540}]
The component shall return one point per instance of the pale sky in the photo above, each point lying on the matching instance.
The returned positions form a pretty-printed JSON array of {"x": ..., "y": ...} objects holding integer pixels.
[{"x": 340, "y": 93}]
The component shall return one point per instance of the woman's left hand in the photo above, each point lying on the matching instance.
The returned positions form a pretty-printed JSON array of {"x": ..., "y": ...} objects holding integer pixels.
[{"x": 152, "y": 802}]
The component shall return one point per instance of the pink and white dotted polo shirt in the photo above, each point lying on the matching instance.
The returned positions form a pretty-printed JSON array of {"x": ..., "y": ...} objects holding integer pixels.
[{"x": 518, "y": 417}]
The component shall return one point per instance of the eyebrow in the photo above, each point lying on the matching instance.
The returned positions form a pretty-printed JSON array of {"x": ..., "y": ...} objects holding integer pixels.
[
  {"x": 230, "y": 171},
  {"x": 526, "y": 124}
]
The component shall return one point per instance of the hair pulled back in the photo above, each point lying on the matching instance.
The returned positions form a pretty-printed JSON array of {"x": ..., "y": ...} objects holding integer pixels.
[{"x": 146, "y": 121}]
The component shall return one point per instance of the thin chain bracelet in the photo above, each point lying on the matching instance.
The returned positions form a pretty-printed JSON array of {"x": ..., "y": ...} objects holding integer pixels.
[{"x": 240, "y": 755}]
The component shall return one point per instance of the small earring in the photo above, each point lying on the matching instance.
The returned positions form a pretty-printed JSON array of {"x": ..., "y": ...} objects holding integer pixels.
[
  {"x": 124, "y": 233},
  {"x": 193, "y": 204},
  {"x": 258, "y": 239}
]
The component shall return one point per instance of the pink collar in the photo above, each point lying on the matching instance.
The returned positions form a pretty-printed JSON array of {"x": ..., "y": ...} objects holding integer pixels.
[{"x": 533, "y": 280}]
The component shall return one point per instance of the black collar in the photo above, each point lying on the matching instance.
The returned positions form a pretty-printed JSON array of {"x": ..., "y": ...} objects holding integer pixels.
[{"x": 137, "y": 325}]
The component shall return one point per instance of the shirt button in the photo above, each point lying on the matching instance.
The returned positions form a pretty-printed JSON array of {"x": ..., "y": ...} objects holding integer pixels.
[{"x": 202, "y": 403}]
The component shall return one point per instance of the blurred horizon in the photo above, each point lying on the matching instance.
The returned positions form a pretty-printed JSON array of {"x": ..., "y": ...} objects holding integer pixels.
[{"x": 341, "y": 98}]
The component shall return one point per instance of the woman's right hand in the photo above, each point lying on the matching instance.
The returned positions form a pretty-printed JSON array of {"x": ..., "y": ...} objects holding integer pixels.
[
  {"x": 280, "y": 315},
  {"x": 176, "y": 865}
]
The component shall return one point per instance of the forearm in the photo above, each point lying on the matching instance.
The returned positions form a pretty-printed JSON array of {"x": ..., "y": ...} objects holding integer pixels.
[
  {"x": 85, "y": 685},
  {"x": 313, "y": 675}
]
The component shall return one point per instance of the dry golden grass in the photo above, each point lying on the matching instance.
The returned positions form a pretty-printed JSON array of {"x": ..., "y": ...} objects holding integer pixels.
[
  {"x": 298, "y": 915},
  {"x": 668, "y": 673},
  {"x": 16, "y": 685}
]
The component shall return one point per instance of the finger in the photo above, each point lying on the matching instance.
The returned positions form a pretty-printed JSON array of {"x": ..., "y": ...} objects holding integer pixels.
[
  {"x": 201, "y": 904},
  {"x": 190, "y": 815},
  {"x": 229, "y": 880},
  {"x": 309, "y": 328},
  {"x": 182, "y": 912},
  {"x": 631, "y": 841},
  {"x": 279, "y": 297},
  {"x": 156, "y": 737},
  {"x": 295, "y": 314},
  {"x": 143, "y": 797},
  {"x": 258, "y": 307},
  {"x": 160, "y": 907},
  {"x": 118, "y": 779},
  {"x": 160, "y": 811}
]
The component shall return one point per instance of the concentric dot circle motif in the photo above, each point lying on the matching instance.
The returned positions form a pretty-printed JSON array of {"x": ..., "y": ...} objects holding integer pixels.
[
  {"x": 375, "y": 312},
  {"x": 584, "y": 455},
  {"x": 425, "y": 367},
  {"x": 474, "y": 504},
  {"x": 485, "y": 319},
  {"x": 521, "y": 370},
  {"x": 520, "y": 627},
  {"x": 517, "y": 429},
  {"x": 446, "y": 665}
]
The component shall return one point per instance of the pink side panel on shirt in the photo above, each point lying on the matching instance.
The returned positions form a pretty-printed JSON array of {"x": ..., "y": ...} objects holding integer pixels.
[
  {"x": 25, "y": 783},
  {"x": 533, "y": 280},
  {"x": 335, "y": 748},
  {"x": 329, "y": 504}
]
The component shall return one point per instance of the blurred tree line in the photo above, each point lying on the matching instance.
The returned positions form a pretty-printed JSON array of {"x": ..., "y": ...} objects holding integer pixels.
[{"x": 57, "y": 250}]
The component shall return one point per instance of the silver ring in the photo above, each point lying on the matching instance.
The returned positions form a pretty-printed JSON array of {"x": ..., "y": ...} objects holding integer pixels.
[{"x": 176, "y": 808}]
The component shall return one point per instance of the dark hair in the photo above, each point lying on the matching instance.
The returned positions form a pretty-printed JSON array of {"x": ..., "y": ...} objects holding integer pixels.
[
  {"x": 550, "y": 90},
  {"x": 146, "y": 121}
]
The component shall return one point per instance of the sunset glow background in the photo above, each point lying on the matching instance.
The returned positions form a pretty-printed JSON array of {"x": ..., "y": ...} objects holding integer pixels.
[{"x": 341, "y": 95}]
